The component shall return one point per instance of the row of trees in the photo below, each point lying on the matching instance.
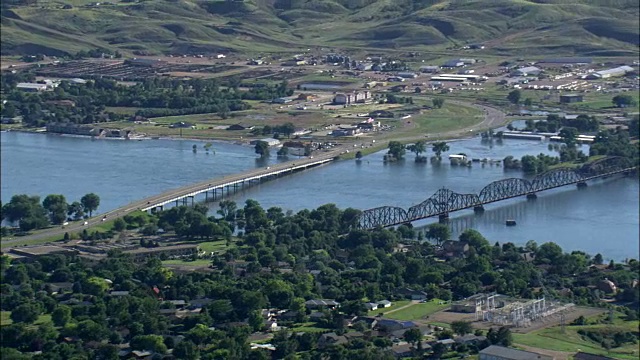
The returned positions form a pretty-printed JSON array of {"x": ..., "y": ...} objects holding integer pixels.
[
  {"x": 397, "y": 149},
  {"x": 30, "y": 214}
]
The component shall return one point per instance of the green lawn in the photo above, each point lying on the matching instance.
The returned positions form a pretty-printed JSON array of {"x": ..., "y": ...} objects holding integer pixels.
[
  {"x": 417, "y": 311},
  {"x": 394, "y": 305},
  {"x": 197, "y": 262},
  {"x": 213, "y": 246},
  {"x": 570, "y": 341},
  {"x": 307, "y": 327},
  {"x": 5, "y": 318},
  {"x": 449, "y": 117}
]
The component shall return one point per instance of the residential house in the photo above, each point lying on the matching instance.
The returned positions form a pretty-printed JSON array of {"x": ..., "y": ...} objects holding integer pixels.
[
  {"x": 607, "y": 286},
  {"x": 60, "y": 287},
  {"x": 272, "y": 325},
  {"x": 412, "y": 294},
  {"x": 454, "y": 248},
  {"x": 402, "y": 351},
  {"x": 321, "y": 304},
  {"x": 11, "y": 120},
  {"x": 119, "y": 293},
  {"x": 346, "y": 131},
  {"x": 448, "y": 343},
  {"x": 371, "y": 306},
  {"x": 329, "y": 339},
  {"x": 470, "y": 339},
  {"x": 495, "y": 352},
  {"x": 384, "y": 304},
  {"x": 364, "y": 66}
]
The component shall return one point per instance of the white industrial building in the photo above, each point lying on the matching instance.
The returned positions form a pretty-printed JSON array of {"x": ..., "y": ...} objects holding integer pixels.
[{"x": 604, "y": 74}]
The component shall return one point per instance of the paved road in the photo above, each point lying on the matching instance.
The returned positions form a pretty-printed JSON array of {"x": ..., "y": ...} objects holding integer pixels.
[
  {"x": 78, "y": 226},
  {"x": 492, "y": 118}
]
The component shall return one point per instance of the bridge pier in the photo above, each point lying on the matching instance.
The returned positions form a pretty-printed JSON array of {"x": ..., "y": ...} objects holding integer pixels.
[
  {"x": 478, "y": 209},
  {"x": 532, "y": 196},
  {"x": 581, "y": 184},
  {"x": 443, "y": 218}
]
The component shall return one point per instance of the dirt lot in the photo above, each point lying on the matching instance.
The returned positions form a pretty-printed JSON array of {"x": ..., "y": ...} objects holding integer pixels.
[{"x": 448, "y": 317}]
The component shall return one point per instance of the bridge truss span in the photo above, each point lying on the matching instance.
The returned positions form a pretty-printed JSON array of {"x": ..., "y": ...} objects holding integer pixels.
[{"x": 445, "y": 201}]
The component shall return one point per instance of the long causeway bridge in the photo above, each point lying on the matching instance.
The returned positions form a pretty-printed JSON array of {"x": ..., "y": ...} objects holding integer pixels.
[{"x": 445, "y": 201}]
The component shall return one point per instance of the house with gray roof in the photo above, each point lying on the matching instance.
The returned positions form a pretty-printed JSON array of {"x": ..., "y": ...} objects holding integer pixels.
[{"x": 495, "y": 352}]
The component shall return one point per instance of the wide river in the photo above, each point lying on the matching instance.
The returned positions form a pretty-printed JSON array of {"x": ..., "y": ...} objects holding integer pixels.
[{"x": 602, "y": 218}]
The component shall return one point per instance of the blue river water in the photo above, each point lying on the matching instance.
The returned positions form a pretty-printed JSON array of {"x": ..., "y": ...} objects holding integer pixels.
[{"x": 602, "y": 218}]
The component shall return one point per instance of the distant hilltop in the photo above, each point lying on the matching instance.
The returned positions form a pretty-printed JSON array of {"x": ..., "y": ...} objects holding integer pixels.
[{"x": 584, "y": 27}]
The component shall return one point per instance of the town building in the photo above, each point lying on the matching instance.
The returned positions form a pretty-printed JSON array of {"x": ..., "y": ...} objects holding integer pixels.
[
  {"x": 240, "y": 127},
  {"x": 270, "y": 141},
  {"x": 570, "y": 98},
  {"x": 32, "y": 87},
  {"x": 346, "y": 131},
  {"x": 351, "y": 98},
  {"x": 587, "y": 356},
  {"x": 609, "y": 73},
  {"x": 527, "y": 71},
  {"x": 429, "y": 69},
  {"x": 495, "y": 352},
  {"x": 142, "y": 254},
  {"x": 321, "y": 303}
]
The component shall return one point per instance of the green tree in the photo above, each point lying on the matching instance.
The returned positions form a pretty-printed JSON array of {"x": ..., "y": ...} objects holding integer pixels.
[
  {"x": 396, "y": 149},
  {"x": 76, "y": 210},
  {"x": 514, "y": 96},
  {"x": 568, "y": 135},
  {"x": 27, "y": 210},
  {"x": 438, "y": 232},
  {"x": 25, "y": 313},
  {"x": 90, "y": 202},
  {"x": 528, "y": 102},
  {"x": 256, "y": 321},
  {"x": 440, "y": 147},
  {"x": 149, "y": 342},
  {"x": 119, "y": 224},
  {"x": 61, "y": 315},
  {"x": 262, "y": 148},
  {"x": 461, "y": 327},
  {"x": 438, "y": 103},
  {"x": 186, "y": 350},
  {"x": 284, "y": 151},
  {"x": 418, "y": 148},
  {"x": 57, "y": 207},
  {"x": 413, "y": 336},
  {"x": 623, "y": 100}
]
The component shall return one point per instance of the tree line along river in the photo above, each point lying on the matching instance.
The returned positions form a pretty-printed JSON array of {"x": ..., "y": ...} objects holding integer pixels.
[{"x": 603, "y": 218}]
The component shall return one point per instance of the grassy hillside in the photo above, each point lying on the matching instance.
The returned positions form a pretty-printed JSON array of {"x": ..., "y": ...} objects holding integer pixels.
[{"x": 586, "y": 27}]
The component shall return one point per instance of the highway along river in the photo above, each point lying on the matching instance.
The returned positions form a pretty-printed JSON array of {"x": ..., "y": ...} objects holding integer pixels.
[{"x": 600, "y": 218}]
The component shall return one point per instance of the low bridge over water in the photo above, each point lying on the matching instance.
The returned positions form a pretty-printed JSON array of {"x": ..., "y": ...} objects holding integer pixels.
[{"x": 445, "y": 201}]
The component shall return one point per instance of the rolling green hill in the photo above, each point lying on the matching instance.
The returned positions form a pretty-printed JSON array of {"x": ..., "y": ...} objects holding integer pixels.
[{"x": 585, "y": 27}]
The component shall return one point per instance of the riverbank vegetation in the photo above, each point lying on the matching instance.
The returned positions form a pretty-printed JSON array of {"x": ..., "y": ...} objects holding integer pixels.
[
  {"x": 159, "y": 96},
  {"x": 30, "y": 214},
  {"x": 279, "y": 261},
  {"x": 612, "y": 142}
]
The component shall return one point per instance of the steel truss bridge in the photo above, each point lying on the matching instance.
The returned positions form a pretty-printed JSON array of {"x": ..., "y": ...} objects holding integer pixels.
[{"x": 445, "y": 201}]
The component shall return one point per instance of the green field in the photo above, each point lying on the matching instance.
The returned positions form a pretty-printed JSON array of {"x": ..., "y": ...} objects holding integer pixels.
[
  {"x": 5, "y": 318},
  {"x": 394, "y": 305},
  {"x": 570, "y": 341},
  {"x": 417, "y": 311}
]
